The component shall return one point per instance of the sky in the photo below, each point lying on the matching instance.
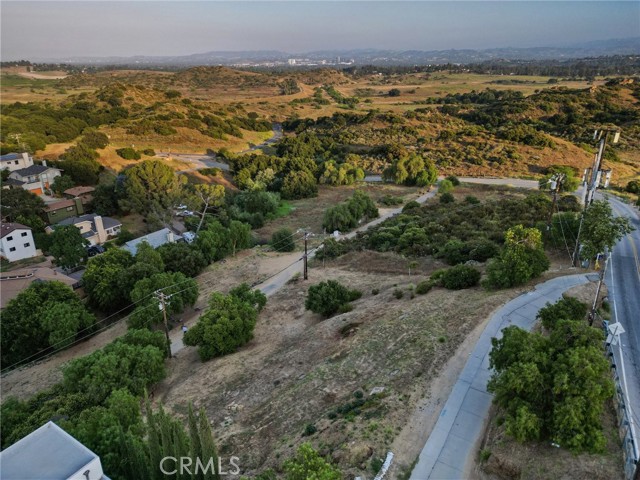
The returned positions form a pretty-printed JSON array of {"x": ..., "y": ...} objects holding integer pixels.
[{"x": 54, "y": 29}]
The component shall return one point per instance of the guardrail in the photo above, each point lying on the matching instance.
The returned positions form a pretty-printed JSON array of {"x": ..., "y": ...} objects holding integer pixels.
[{"x": 624, "y": 422}]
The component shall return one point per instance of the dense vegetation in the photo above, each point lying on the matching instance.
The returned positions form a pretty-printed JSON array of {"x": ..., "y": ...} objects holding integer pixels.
[
  {"x": 330, "y": 297},
  {"x": 228, "y": 322},
  {"x": 347, "y": 215},
  {"x": 553, "y": 387},
  {"x": 44, "y": 317}
]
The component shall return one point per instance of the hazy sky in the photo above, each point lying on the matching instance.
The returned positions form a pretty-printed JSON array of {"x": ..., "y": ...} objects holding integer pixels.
[{"x": 62, "y": 29}]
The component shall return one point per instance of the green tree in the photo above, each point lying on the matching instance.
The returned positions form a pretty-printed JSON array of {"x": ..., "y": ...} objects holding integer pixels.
[
  {"x": 213, "y": 242},
  {"x": 105, "y": 279},
  {"x": 411, "y": 169},
  {"x": 327, "y": 298},
  {"x": 104, "y": 199},
  {"x": 184, "y": 258},
  {"x": 118, "y": 365},
  {"x": 62, "y": 183},
  {"x": 80, "y": 163},
  {"x": 68, "y": 246},
  {"x": 183, "y": 292},
  {"x": 567, "y": 308},
  {"x": 62, "y": 321},
  {"x": 151, "y": 187},
  {"x": 445, "y": 186},
  {"x": 17, "y": 202},
  {"x": 255, "y": 298},
  {"x": 282, "y": 240},
  {"x": 521, "y": 259},
  {"x": 226, "y": 325},
  {"x": 601, "y": 230},
  {"x": 299, "y": 184},
  {"x": 94, "y": 139},
  {"x": 209, "y": 196},
  {"x": 459, "y": 277},
  {"x": 239, "y": 236},
  {"x": 46, "y": 314},
  {"x": 309, "y": 465}
]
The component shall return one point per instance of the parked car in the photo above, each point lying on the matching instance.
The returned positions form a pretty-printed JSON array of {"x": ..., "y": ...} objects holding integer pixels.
[
  {"x": 189, "y": 237},
  {"x": 94, "y": 250},
  {"x": 185, "y": 213},
  {"x": 180, "y": 207}
]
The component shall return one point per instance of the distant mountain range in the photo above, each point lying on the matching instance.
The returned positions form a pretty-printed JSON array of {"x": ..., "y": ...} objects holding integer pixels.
[{"x": 625, "y": 46}]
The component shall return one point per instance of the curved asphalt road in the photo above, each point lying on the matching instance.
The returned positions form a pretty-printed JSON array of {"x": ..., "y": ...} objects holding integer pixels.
[{"x": 623, "y": 284}]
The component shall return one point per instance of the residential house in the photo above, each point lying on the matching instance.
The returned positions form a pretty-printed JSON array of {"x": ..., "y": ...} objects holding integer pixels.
[
  {"x": 36, "y": 178},
  {"x": 16, "y": 242},
  {"x": 16, "y": 281},
  {"x": 57, "y": 211},
  {"x": 50, "y": 453},
  {"x": 95, "y": 228},
  {"x": 154, "y": 239},
  {"x": 81, "y": 192},
  {"x": 15, "y": 161}
]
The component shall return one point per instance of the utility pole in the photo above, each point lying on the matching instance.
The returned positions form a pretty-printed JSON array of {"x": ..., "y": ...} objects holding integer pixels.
[
  {"x": 592, "y": 182},
  {"x": 162, "y": 298},
  {"x": 556, "y": 182},
  {"x": 306, "y": 275},
  {"x": 592, "y": 313}
]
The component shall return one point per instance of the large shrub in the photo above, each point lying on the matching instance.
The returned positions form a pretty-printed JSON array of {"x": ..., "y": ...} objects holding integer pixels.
[
  {"x": 282, "y": 240},
  {"x": 227, "y": 324},
  {"x": 329, "y": 297},
  {"x": 459, "y": 277}
]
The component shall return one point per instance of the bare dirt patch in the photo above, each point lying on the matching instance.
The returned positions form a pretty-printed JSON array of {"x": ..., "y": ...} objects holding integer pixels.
[{"x": 301, "y": 370}]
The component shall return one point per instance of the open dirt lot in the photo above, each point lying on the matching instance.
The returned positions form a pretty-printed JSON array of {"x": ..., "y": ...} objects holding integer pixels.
[{"x": 301, "y": 370}]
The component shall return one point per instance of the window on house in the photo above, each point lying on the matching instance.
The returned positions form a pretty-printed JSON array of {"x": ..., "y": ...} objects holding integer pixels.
[
  {"x": 27, "y": 245},
  {"x": 12, "y": 249},
  {"x": 9, "y": 239},
  {"x": 16, "y": 162},
  {"x": 23, "y": 234}
]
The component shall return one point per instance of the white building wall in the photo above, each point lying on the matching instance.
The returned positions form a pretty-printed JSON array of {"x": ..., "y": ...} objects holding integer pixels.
[
  {"x": 94, "y": 469},
  {"x": 15, "y": 240}
]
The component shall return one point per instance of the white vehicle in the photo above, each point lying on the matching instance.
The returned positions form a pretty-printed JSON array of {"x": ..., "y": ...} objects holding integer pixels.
[
  {"x": 189, "y": 237},
  {"x": 180, "y": 207},
  {"x": 185, "y": 213}
]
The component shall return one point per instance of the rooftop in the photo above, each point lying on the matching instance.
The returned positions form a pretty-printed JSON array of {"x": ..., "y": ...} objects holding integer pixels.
[
  {"x": 58, "y": 205},
  {"x": 10, "y": 156},
  {"x": 15, "y": 281},
  {"x": 33, "y": 170},
  {"x": 77, "y": 191},
  {"x": 155, "y": 239},
  {"x": 48, "y": 453},
  {"x": 7, "y": 228},
  {"x": 107, "y": 222}
]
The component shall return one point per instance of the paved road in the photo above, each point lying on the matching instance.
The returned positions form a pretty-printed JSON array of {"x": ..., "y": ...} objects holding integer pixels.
[
  {"x": 453, "y": 443},
  {"x": 623, "y": 283},
  {"x": 513, "y": 182}
]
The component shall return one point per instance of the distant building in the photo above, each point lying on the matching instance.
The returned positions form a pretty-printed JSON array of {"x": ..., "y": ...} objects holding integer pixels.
[
  {"x": 35, "y": 178},
  {"x": 15, "y": 161},
  {"x": 57, "y": 211},
  {"x": 154, "y": 239},
  {"x": 93, "y": 227},
  {"x": 50, "y": 453},
  {"x": 16, "y": 242}
]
